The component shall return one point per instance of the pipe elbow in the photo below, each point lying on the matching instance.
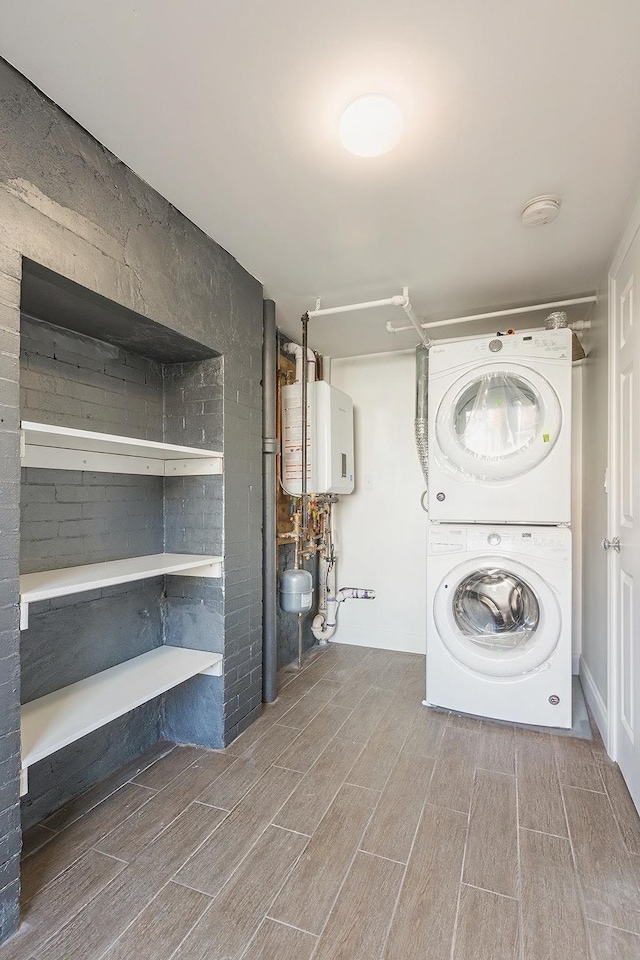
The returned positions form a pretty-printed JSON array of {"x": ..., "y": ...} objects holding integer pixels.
[{"x": 322, "y": 630}]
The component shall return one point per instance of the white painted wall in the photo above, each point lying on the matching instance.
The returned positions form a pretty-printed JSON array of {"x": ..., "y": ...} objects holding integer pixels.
[
  {"x": 381, "y": 526},
  {"x": 593, "y": 665}
]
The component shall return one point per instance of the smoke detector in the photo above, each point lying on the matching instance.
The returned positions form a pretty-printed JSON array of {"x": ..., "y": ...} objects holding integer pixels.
[{"x": 540, "y": 210}]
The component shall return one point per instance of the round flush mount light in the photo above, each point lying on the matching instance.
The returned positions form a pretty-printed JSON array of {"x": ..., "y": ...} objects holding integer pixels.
[
  {"x": 540, "y": 210},
  {"x": 371, "y": 125}
]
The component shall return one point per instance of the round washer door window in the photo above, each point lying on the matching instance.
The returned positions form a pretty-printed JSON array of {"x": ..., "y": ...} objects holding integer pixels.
[
  {"x": 497, "y": 617},
  {"x": 499, "y": 422}
]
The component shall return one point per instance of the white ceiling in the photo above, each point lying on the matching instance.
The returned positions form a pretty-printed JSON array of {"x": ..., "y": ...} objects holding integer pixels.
[{"x": 230, "y": 109}]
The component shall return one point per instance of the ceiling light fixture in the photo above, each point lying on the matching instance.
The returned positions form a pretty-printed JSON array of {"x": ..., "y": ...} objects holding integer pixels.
[{"x": 371, "y": 125}]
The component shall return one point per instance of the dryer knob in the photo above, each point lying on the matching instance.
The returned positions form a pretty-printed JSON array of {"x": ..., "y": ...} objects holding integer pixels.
[
  {"x": 494, "y": 539},
  {"x": 495, "y": 346}
]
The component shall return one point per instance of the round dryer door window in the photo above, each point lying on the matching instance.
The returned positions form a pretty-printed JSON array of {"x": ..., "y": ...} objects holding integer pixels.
[
  {"x": 497, "y": 617},
  {"x": 498, "y": 422}
]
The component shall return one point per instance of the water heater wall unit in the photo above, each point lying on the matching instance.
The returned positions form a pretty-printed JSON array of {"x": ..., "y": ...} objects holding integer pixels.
[{"x": 329, "y": 439}]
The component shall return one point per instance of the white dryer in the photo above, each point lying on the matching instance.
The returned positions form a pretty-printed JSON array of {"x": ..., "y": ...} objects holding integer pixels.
[
  {"x": 500, "y": 429},
  {"x": 499, "y": 622}
]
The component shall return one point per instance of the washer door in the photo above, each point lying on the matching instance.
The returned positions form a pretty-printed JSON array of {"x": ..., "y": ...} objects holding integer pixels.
[
  {"x": 498, "y": 422},
  {"x": 497, "y": 617}
]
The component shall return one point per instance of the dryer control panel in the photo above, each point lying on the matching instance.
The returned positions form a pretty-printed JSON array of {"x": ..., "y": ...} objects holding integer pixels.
[{"x": 529, "y": 345}]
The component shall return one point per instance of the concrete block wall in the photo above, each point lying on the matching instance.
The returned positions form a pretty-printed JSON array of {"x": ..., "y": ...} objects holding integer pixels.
[{"x": 68, "y": 204}]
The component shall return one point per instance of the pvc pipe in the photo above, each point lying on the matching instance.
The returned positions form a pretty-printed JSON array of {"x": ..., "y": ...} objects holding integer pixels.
[
  {"x": 323, "y": 626},
  {"x": 396, "y": 301},
  {"x": 325, "y": 621},
  {"x": 406, "y": 306},
  {"x": 355, "y": 593},
  {"x": 494, "y": 314},
  {"x": 296, "y": 350},
  {"x": 269, "y": 481}
]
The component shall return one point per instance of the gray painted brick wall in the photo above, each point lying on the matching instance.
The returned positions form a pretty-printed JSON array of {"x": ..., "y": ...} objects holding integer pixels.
[
  {"x": 10, "y": 269},
  {"x": 88, "y": 384},
  {"x": 72, "y": 517},
  {"x": 84, "y": 762},
  {"x": 70, "y": 205},
  {"x": 194, "y": 523},
  {"x": 76, "y": 517}
]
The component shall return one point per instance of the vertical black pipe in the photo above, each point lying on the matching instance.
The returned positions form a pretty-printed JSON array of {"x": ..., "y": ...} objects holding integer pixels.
[
  {"x": 305, "y": 426},
  {"x": 269, "y": 448}
]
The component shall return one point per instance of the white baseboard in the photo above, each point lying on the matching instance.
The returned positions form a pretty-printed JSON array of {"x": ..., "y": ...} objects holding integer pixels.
[{"x": 595, "y": 700}]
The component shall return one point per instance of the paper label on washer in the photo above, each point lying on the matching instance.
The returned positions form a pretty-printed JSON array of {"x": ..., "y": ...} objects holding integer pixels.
[{"x": 447, "y": 541}]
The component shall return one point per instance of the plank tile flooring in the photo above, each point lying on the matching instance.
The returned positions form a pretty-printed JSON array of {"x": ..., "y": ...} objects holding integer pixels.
[{"x": 348, "y": 823}]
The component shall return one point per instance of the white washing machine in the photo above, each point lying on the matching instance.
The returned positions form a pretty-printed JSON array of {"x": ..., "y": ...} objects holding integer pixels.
[
  {"x": 499, "y": 622},
  {"x": 500, "y": 429}
]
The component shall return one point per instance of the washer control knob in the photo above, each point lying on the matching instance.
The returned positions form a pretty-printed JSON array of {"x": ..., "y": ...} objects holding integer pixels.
[
  {"x": 494, "y": 539},
  {"x": 495, "y": 346}
]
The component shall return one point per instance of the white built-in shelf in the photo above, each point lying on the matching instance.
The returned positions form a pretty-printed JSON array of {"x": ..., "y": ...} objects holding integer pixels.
[
  {"x": 62, "y": 448},
  {"x": 52, "y": 722},
  {"x": 93, "y": 576}
]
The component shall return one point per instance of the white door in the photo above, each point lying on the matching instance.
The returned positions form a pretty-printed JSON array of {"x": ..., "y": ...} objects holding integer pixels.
[{"x": 624, "y": 524}]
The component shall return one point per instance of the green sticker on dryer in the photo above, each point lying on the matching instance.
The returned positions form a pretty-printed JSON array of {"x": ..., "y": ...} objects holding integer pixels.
[{"x": 545, "y": 438}]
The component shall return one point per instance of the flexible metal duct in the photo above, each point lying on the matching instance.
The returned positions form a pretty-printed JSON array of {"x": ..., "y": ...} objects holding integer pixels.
[{"x": 422, "y": 407}]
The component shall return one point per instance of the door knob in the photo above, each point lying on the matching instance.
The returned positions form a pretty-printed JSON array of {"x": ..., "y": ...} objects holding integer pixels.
[{"x": 613, "y": 544}]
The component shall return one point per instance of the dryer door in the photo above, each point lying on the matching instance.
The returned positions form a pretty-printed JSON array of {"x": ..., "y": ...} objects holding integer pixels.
[
  {"x": 497, "y": 617},
  {"x": 497, "y": 422}
]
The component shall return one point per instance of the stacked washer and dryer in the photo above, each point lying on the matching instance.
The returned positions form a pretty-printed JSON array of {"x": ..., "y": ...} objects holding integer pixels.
[{"x": 499, "y": 540}]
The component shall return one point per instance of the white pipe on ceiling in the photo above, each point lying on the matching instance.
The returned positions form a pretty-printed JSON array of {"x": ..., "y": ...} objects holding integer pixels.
[
  {"x": 397, "y": 301},
  {"x": 495, "y": 314},
  {"x": 347, "y": 308}
]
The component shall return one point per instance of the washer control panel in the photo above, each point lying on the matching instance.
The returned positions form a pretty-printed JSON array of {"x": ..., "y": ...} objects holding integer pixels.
[{"x": 550, "y": 542}]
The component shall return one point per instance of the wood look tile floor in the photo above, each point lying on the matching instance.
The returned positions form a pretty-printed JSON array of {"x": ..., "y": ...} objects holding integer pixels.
[{"x": 348, "y": 823}]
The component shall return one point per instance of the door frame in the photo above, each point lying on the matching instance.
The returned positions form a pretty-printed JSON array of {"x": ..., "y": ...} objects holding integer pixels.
[{"x": 613, "y": 638}]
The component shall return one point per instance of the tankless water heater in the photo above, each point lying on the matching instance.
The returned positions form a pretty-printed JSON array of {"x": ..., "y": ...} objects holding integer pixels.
[{"x": 329, "y": 439}]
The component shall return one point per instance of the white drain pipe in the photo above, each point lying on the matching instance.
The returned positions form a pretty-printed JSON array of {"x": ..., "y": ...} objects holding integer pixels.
[
  {"x": 400, "y": 300},
  {"x": 296, "y": 350},
  {"x": 325, "y": 621},
  {"x": 495, "y": 314}
]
